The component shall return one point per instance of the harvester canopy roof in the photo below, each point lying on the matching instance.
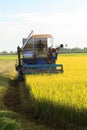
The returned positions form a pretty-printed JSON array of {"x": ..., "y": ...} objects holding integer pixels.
[
  {"x": 42, "y": 36},
  {"x": 29, "y": 43}
]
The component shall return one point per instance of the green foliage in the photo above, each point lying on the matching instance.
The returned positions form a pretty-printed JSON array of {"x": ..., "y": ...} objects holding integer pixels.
[
  {"x": 7, "y": 118},
  {"x": 73, "y": 50},
  {"x": 9, "y": 124}
]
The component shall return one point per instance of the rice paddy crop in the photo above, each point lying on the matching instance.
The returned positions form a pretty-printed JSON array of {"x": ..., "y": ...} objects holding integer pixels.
[
  {"x": 58, "y": 100},
  {"x": 61, "y": 98}
]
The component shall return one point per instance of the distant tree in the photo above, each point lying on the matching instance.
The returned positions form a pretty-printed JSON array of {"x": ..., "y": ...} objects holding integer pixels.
[
  {"x": 4, "y": 52},
  {"x": 73, "y": 50},
  {"x": 12, "y": 52},
  {"x": 85, "y": 49}
]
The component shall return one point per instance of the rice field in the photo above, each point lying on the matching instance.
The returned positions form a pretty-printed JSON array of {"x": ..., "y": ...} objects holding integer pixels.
[
  {"x": 56, "y": 100},
  {"x": 61, "y": 98}
]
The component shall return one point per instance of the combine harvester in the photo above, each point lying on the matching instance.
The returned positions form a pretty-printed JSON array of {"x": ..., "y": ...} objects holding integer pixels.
[{"x": 37, "y": 55}]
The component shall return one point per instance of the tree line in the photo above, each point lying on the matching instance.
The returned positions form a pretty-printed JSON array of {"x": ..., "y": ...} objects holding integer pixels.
[
  {"x": 74, "y": 50},
  {"x": 64, "y": 50},
  {"x": 8, "y": 53}
]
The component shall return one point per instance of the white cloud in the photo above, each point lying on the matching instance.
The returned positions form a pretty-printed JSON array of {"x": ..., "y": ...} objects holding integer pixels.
[{"x": 70, "y": 28}]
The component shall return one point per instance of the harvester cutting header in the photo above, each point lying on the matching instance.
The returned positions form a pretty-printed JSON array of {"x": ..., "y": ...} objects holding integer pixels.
[{"x": 37, "y": 54}]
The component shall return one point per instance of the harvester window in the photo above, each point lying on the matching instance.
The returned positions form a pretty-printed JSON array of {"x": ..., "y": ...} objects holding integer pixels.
[{"x": 41, "y": 46}]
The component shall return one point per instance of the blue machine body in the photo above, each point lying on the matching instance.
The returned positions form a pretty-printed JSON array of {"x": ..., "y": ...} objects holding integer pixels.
[
  {"x": 40, "y": 66},
  {"x": 38, "y": 55}
]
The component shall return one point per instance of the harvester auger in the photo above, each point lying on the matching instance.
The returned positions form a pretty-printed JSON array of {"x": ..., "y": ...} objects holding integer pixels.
[{"x": 37, "y": 55}]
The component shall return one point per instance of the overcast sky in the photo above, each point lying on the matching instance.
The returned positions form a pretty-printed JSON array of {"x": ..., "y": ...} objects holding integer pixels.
[{"x": 66, "y": 20}]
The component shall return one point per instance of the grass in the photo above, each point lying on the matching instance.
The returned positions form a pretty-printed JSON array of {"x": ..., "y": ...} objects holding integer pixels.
[
  {"x": 8, "y": 57},
  {"x": 8, "y": 119},
  {"x": 7, "y": 122}
]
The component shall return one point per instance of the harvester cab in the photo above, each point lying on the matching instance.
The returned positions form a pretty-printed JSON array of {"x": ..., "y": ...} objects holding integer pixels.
[{"x": 38, "y": 55}]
